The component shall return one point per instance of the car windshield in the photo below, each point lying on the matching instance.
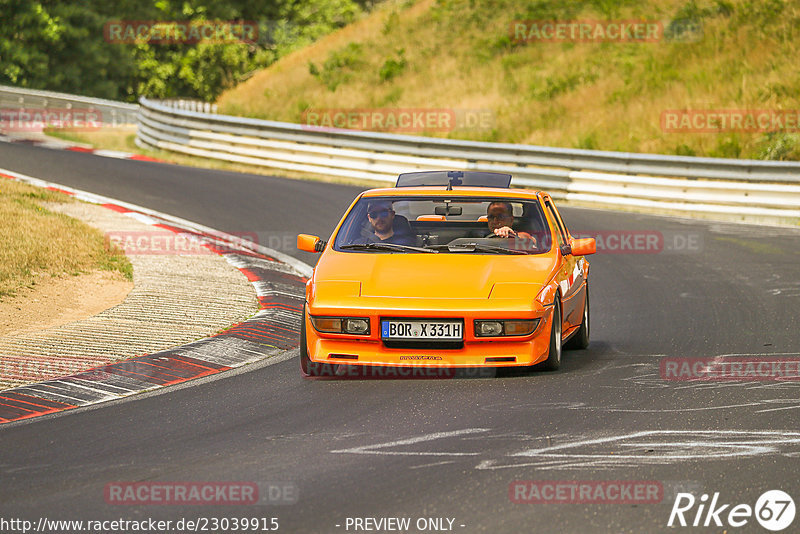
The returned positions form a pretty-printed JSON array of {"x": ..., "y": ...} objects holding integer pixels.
[{"x": 444, "y": 225}]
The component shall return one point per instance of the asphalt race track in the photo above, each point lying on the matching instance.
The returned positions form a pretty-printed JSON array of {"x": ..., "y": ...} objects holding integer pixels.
[{"x": 447, "y": 449}]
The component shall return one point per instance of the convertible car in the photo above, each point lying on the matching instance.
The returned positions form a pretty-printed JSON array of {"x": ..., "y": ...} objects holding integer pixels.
[{"x": 447, "y": 269}]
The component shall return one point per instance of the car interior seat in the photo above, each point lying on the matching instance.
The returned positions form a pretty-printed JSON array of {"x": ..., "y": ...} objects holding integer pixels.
[{"x": 402, "y": 227}]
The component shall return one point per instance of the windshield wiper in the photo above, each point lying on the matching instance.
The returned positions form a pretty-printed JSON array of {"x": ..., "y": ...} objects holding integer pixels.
[
  {"x": 479, "y": 247},
  {"x": 385, "y": 246}
]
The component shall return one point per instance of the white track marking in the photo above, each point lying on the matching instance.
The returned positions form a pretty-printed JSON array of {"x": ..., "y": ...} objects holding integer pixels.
[
  {"x": 113, "y": 154},
  {"x": 795, "y": 404},
  {"x": 556, "y": 464},
  {"x": 700, "y": 445},
  {"x": 632, "y": 450},
  {"x": 648, "y": 433},
  {"x": 434, "y": 464},
  {"x": 371, "y": 449},
  {"x": 142, "y": 218}
]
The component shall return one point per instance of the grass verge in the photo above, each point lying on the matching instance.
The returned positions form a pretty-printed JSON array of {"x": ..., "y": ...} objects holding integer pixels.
[
  {"x": 36, "y": 242},
  {"x": 109, "y": 138}
]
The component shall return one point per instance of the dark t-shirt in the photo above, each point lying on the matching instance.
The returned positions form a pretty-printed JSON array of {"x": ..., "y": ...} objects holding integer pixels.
[{"x": 397, "y": 239}]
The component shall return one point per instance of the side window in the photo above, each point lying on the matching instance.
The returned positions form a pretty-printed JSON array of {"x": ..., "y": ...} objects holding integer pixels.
[{"x": 562, "y": 234}]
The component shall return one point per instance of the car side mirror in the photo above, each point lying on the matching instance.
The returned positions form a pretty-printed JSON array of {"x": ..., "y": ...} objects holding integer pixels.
[
  {"x": 310, "y": 243},
  {"x": 582, "y": 247}
]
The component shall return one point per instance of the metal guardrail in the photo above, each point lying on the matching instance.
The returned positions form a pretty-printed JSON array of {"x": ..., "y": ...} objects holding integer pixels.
[
  {"x": 764, "y": 191},
  {"x": 113, "y": 113},
  {"x": 190, "y": 105}
]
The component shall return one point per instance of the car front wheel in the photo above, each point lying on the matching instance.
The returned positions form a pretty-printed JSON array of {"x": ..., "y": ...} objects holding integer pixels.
[
  {"x": 553, "y": 361},
  {"x": 308, "y": 367},
  {"x": 580, "y": 340}
]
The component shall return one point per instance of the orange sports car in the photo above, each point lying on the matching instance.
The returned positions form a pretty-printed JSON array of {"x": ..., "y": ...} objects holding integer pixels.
[{"x": 447, "y": 269}]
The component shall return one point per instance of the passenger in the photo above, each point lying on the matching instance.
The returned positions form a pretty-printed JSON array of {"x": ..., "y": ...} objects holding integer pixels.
[
  {"x": 500, "y": 216},
  {"x": 386, "y": 226}
]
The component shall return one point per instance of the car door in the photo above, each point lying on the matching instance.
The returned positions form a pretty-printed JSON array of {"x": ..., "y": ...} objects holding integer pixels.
[{"x": 570, "y": 275}]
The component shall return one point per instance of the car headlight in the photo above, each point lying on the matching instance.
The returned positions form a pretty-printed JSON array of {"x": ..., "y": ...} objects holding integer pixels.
[
  {"x": 488, "y": 328},
  {"x": 341, "y": 325},
  {"x": 498, "y": 328},
  {"x": 355, "y": 326}
]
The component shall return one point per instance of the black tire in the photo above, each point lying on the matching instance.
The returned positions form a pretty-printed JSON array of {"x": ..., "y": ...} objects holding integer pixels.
[
  {"x": 307, "y": 367},
  {"x": 580, "y": 339},
  {"x": 553, "y": 361}
]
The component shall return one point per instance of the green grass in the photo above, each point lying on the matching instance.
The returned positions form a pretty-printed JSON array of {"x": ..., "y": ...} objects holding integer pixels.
[
  {"x": 120, "y": 138},
  {"x": 36, "y": 242},
  {"x": 716, "y": 54}
]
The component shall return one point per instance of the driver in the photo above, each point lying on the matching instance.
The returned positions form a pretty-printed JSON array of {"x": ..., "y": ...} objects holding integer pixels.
[
  {"x": 500, "y": 216},
  {"x": 382, "y": 218}
]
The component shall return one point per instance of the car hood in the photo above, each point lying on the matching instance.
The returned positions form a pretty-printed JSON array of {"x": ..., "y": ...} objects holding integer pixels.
[{"x": 435, "y": 276}]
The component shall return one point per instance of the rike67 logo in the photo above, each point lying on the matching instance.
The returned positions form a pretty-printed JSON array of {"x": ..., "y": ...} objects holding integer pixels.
[{"x": 774, "y": 510}]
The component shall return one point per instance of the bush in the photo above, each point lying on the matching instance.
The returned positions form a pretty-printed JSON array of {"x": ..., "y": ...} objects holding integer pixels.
[
  {"x": 393, "y": 66},
  {"x": 780, "y": 146},
  {"x": 339, "y": 66}
]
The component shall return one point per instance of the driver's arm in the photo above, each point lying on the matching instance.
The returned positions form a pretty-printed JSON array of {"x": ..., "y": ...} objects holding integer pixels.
[{"x": 506, "y": 231}]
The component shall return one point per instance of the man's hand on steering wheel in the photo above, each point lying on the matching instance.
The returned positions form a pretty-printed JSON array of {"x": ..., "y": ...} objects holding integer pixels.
[{"x": 504, "y": 231}]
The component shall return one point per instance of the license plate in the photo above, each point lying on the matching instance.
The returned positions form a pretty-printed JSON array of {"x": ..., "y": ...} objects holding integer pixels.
[{"x": 418, "y": 329}]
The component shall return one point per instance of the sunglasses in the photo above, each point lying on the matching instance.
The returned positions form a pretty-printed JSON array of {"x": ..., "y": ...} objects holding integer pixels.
[{"x": 379, "y": 213}]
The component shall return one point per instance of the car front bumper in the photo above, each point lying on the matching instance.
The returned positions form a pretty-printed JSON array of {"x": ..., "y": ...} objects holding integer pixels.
[{"x": 505, "y": 351}]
